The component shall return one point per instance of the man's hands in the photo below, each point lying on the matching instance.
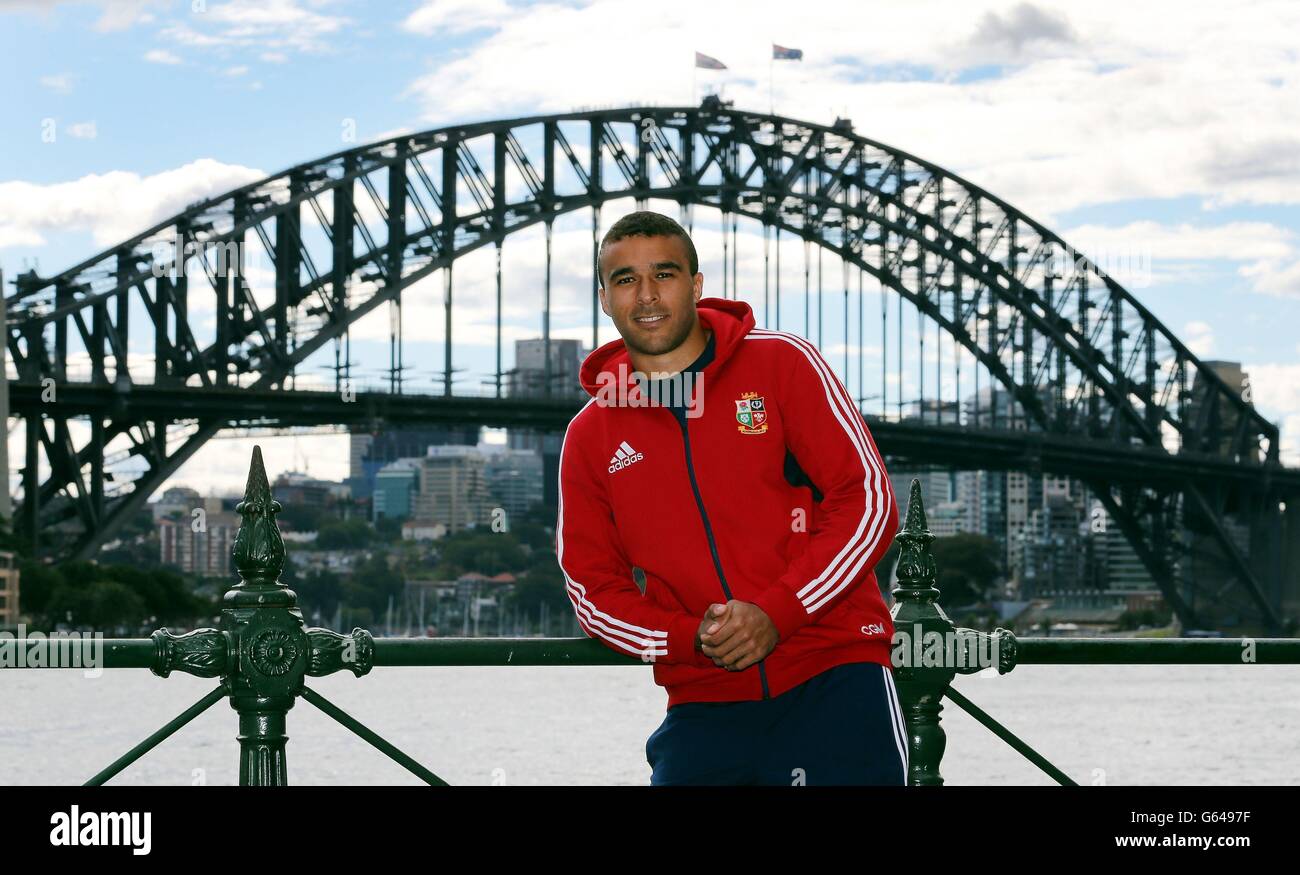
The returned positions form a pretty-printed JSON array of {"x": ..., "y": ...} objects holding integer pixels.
[{"x": 736, "y": 635}]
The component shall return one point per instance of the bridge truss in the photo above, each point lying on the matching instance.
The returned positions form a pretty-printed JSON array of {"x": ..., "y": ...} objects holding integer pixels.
[{"x": 1075, "y": 354}]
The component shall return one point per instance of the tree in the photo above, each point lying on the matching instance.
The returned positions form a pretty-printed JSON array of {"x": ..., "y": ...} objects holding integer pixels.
[
  {"x": 371, "y": 583},
  {"x": 1130, "y": 620},
  {"x": 389, "y": 529},
  {"x": 107, "y": 595},
  {"x": 302, "y": 517},
  {"x": 536, "y": 527},
  {"x": 103, "y": 604},
  {"x": 164, "y": 593},
  {"x": 141, "y": 523},
  {"x": 344, "y": 534},
  {"x": 10, "y": 541},
  {"x": 967, "y": 567},
  {"x": 487, "y": 552},
  {"x": 319, "y": 590},
  {"x": 541, "y": 584}
]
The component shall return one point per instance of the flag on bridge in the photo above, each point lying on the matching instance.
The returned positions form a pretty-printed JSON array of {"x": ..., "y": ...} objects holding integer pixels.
[
  {"x": 781, "y": 53},
  {"x": 702, "y": 60}
]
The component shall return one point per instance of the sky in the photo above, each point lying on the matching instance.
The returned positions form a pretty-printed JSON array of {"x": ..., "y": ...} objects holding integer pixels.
[{"x": 1166, "y": 129}]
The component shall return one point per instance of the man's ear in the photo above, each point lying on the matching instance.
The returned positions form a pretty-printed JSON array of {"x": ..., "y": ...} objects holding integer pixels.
[
  {"x": 604, "y": 307},
  {"x": 699, "y": 285}
]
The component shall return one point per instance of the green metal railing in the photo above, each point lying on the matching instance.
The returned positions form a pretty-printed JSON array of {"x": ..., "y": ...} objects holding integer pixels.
[{"x": 262, "y": 654}]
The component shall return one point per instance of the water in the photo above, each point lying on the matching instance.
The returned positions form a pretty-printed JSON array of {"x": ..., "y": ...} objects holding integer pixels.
[{"x": 588, "y": 725}]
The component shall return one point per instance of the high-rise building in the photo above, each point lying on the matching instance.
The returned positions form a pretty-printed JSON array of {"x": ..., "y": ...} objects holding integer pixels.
[
  {"x": 1050, "y": 558},
  {"x": 396, "y": 485},
  {"x": 1020, "y": 488},
  {"x": 986, "y": 495},
  {"x": 370, "y": 452},
  {"x": 993, "y": 408},
  {"x": 938, "y": 484},
  {"x": 530, "y": 378},
  {"x": 453, "y": 488},
  {"x": 1207, "y": 557},
  {"x": 946, "y": 519},
  {"x": 176, "y": 500},
  {"x": 1220, "y": 420},
  {"x": 1122, "y": 568},
  {"x": 295, "y": 487},
  {"x": 514, "y": 479},
  {"x": 983, "y": 498},
  {"x": 200, "y": 543}
]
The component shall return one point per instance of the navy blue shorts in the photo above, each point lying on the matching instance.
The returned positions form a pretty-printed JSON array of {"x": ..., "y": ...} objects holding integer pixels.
[{"x": 843, "y": 726}]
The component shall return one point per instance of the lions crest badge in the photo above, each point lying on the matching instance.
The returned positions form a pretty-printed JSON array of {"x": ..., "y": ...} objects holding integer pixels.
[{"x": 751, "y": 414}]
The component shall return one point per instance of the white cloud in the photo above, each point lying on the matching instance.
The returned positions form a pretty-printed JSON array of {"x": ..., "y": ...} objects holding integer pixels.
[
  {"x": 391, "y": 133},
  {"x": 17, "y": 236},
  {"x": 111, "y": 206},
  {"x": 272, "y": 25},
  {"x": 82, "y": 130},
  {"x": 1268, "y": 254},
  {"x": 456, "y": 16},
  {"x": 1199, "y": 338},
  {"x": 220, "y": 466},
  {"x": 161, "y": 56},
  {"x": 61, "y": 82},
  {"x": 1088, "y": 103},
  {"x": 1021, "y": 32},
  {"x": 1092, "y": 104},
  {"x": 122, "y": 14},
  {"x": 1232, "y": 240},
  {"x": 235, "y": 71},
  {"x": 114, "y": 14},
  {"x": 1274, "y": 276}
]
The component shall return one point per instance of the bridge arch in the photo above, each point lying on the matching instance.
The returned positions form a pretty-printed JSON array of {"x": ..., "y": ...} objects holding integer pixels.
[{"x": 1078, "y": 353}]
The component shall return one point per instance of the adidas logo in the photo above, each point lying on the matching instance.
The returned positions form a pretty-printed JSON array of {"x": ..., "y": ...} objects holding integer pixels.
[{"x": 623, "y": 457}]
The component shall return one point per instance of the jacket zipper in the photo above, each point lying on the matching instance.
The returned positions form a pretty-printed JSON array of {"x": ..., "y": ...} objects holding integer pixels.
[{"x": 708, "y": 531}]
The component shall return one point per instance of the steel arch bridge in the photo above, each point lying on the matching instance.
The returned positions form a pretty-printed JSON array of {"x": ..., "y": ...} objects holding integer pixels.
[{"x": 1084, "y": 365}]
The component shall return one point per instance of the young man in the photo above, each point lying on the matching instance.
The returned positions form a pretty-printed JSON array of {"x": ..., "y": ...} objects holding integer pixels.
[{"x": 727, "y": 531}]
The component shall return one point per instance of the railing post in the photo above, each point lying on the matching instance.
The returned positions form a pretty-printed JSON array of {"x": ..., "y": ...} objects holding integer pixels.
[
  {"x": 261, "y": 650},
  {"x": 920, "y": 624},
  {"x": 269, "y": 645}
]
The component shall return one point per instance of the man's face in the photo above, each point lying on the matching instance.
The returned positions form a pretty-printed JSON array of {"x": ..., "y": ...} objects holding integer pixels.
[{"x": 650, "y": 277}]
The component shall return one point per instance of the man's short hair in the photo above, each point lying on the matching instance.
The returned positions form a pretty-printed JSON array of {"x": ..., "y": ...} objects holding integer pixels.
[{"x": 647, "y": 224}]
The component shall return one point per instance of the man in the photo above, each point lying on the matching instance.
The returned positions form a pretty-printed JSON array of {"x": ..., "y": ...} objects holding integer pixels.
[{"x": 729, "y": 534}]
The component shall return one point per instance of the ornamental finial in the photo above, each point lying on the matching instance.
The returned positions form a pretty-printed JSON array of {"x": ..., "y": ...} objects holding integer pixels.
[{"x": 259, "y": 549}]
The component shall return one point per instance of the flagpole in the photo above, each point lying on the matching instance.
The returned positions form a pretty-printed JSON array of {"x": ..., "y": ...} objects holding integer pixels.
[{"x": 771, "y": 64}]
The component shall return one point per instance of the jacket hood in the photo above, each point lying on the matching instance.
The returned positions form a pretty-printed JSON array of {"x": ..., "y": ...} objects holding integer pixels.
[{"x": 729, "y": 321}]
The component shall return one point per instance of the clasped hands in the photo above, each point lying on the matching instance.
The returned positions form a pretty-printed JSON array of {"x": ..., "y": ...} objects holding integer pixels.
[{"x": 736, "y": 635}]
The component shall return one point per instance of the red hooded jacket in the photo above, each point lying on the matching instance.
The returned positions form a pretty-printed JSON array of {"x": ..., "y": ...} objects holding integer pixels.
[{"x": 705, "y": 505}]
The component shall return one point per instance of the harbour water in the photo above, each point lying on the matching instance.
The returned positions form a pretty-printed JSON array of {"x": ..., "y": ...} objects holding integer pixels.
[{"x": 1117, "y": 725}]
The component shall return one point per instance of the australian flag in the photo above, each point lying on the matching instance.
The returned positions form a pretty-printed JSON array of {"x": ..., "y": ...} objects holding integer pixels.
[
  {"x": 702, "y": 60},
  {"x": 781, "y": 53}
]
